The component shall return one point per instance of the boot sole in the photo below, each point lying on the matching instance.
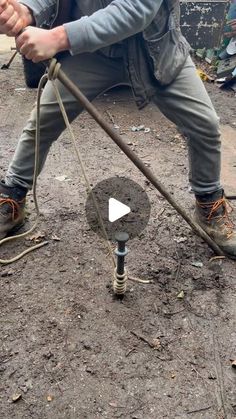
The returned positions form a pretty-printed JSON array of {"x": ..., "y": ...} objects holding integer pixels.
[
  {"x": 227, "y": 255},
  {"x": 14, "y": 230}
]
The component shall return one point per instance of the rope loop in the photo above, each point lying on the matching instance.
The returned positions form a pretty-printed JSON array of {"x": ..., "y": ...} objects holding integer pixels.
[{"x": 53, "y": 69}]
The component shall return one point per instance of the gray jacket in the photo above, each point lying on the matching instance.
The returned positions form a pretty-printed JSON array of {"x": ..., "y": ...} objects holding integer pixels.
[{"x": 155, "y": 49}]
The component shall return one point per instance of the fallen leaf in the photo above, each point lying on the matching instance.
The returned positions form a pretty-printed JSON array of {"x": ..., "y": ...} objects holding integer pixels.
[
  {"x": 36, "y": 237},
  {"x": 204, "y": 76}
]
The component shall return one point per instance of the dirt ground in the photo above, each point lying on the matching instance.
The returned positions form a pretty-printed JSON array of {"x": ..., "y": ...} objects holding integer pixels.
[
  {"x": 68, "y": 348},
  {"x": 6, "y": 43}
]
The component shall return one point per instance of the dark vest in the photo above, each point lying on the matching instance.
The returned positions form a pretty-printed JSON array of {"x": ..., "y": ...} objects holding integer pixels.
[{"x": 64, "y": 12}]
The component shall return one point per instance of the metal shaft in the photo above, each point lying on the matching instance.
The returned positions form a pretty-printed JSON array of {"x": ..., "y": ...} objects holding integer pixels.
[
  {"x": 121, "y": 252},
  {"x": 6, "y": 66},
  {"x": 75, "y": 91}
]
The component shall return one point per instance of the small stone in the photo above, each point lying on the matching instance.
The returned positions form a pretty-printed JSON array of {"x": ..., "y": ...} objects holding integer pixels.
[
  {"x": 180, "y": 296},
  {"x": 87, "y": 346},
  {"x": 56, "y": 238},
  {"x": 113, "y": 404},
  {"x": 156, "y": 343},
  {"x": 89, "y": 370},
  {"x": 48, "y": 355},
  {"x": 16, "y": 397},
  {"x": 197, "y": 264},
  {"x": 180, "y": 239},
  {"x": 7, "y": 272}
]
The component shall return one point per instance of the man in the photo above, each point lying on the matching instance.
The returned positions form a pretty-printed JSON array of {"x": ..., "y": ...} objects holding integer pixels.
[{"x": 105, "y": 43}]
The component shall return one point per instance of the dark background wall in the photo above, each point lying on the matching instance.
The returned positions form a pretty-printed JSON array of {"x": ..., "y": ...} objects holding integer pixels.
[{"x": 202, "y": 22}]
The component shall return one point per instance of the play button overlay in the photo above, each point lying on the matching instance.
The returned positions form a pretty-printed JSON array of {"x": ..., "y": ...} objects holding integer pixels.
[
  {"x": 117, "y": 210},
  {"x": 123, "y": 205}
]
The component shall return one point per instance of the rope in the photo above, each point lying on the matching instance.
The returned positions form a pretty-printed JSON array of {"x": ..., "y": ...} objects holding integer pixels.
[
  {"x": 52, "y": 74},
  {"x": 53, "y": 70}
]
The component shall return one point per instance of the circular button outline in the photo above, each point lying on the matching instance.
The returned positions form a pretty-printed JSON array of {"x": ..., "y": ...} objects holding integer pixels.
[{"x": 129, "y": 193}]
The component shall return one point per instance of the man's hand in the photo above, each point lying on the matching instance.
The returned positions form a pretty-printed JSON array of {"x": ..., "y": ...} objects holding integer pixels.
[
  {"x": 13, "y": 17},
  {"x": 232, "y": 24},
  {"x": 38, "y": 44}
]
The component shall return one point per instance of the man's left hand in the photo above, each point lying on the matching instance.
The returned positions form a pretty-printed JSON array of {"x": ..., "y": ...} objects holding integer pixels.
[{"x": 38, "y": 44}]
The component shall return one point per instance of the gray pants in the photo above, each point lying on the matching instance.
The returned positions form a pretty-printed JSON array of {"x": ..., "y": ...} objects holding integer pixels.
[{"x": 185, "y": 102}]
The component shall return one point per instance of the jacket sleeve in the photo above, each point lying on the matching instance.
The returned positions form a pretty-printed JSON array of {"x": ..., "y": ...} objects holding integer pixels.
[
  {"x": 44, "y": 11},
  {"x": 119, "y": 20}
]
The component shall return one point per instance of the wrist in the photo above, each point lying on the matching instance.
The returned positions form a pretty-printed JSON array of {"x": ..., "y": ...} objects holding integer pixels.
[
  {"x": 27, "y": 15},
  {"x": 61, "y": 38}
]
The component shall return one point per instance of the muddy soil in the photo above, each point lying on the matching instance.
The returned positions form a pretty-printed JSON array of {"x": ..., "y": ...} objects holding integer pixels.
[{"x": 69, "y": 349}]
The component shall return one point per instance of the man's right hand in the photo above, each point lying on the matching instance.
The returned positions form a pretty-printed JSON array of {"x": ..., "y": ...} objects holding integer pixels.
[{"x": 14, "y": 17}]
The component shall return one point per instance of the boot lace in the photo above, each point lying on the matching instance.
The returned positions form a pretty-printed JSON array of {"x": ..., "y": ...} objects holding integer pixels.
[
  {"x": 223, "y": 217},
  {"x": 12, "y": 205}
]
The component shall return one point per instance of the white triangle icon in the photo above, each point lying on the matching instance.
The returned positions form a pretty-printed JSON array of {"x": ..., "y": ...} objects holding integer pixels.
[{"x": 117, "y": 210}]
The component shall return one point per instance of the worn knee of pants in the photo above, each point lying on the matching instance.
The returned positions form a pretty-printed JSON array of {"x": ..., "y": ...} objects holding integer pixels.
[
  {"x": 93, "y": 73},
  {"x": 186, "y": 103}
]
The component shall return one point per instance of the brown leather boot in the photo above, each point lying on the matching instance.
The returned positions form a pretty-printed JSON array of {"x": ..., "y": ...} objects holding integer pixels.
[
  {"x": 212, "y": 214},
  {"x": 12, "y": 208}
]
